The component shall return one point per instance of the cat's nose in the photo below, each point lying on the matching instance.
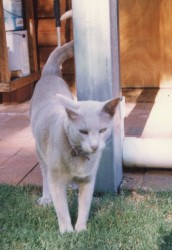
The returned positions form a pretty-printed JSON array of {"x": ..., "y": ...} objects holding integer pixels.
[{"x": 94, "y": 148}]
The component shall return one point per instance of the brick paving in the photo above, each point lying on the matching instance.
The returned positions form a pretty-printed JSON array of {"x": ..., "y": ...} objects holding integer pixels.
[
  {"x": 18, "y": 161},
  {"x": 147, "y": 115}
]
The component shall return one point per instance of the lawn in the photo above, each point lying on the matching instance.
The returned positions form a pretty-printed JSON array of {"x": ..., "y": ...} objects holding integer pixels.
[{"x": 127, "y": 221}]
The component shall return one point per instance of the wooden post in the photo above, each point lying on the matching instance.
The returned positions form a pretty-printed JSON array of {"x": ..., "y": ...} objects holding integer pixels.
[
  {"x": 97, "y": 74},
  {"x": 30, "y": 26}
]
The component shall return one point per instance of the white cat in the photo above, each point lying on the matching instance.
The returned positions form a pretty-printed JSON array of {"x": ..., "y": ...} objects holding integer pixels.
[{"x": 70, "y": 137}]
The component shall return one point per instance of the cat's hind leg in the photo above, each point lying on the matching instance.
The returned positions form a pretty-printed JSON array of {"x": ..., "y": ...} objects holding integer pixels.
[{"x": 45, "y": 199}]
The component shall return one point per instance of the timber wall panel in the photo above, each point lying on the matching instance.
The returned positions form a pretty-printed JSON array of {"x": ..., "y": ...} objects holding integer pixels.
[
  {"x": 145, "y": 39},
  {"x": 146, "y": 43},
  {"x": 165, "y": 43},
  {"x": 46, "y": 30},
  {"x": 44, "y": 8},
  {"x": 47, "y": 35},
  {"x": 44, "y": 52}
]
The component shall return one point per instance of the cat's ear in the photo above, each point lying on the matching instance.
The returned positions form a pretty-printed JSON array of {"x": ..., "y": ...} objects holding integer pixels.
[
  {"x": 73, "y": 114},
  {"x": 67, "y": 102},
  {"x": 71, "y": 106},
  {"x": 110, "y": 106}
]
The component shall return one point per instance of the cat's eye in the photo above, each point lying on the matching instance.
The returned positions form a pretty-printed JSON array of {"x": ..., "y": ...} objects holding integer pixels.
[
  {"x": 82, "y": 131},
  {"x": 102, "y": 130}
]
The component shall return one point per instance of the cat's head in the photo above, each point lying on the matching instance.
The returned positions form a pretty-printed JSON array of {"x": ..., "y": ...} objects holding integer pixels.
[{"x": 89, "y": 123}]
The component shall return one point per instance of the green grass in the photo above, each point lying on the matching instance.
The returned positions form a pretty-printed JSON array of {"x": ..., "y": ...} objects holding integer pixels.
[{"x": 127, "y": 221}]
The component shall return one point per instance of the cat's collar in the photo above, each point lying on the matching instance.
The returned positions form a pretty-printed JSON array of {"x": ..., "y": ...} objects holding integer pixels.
[{"x": 77, "y": 151}]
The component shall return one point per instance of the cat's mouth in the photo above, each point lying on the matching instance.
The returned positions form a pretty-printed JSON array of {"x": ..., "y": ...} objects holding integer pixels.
[
  {"x": 77, "y": 151},
  {"x": 80, "y": 152}
]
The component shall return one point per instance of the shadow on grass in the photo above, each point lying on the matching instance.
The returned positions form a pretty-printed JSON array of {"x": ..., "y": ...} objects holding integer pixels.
[
  {"x": 73, "y": 205},
  {"x": 166, "y": 241},
  {"x": 97, "y": 204}
]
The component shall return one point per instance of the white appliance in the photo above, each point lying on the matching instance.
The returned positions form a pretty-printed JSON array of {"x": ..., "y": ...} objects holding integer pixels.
[
  {"x": 13, "y": 15},
  {"x": 18, "y": 56}
]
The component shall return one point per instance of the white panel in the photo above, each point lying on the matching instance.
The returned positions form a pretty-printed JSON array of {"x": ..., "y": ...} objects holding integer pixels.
[
  {"x": 13, "y": 15},
  {"x": 18, "y": 56}
]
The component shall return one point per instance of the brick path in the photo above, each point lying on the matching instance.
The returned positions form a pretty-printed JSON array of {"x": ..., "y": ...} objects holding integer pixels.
[
  {"x": 18, "y": 161},
  {"x": 148, "y": 114}
]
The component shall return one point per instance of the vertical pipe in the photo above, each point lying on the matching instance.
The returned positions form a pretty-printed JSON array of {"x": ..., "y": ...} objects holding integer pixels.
[
  {"x": 97, "y": 74},
  {"x": 58, "y": 22}
]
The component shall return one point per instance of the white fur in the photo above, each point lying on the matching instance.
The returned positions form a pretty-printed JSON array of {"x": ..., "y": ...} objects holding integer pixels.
[
  {"x": 58, "y": 123},
  {"x": 66, "y": 15}
]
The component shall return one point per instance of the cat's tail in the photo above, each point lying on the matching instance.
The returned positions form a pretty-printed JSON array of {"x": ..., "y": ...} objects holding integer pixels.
[{"x": 56, "y": 58}]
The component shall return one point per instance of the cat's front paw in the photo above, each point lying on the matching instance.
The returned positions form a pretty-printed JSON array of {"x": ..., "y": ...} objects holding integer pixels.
[
  {"x": 66, "y": 229},
  {"x": 42, "y": 201},
  {"x": 80, "y": 227}
]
